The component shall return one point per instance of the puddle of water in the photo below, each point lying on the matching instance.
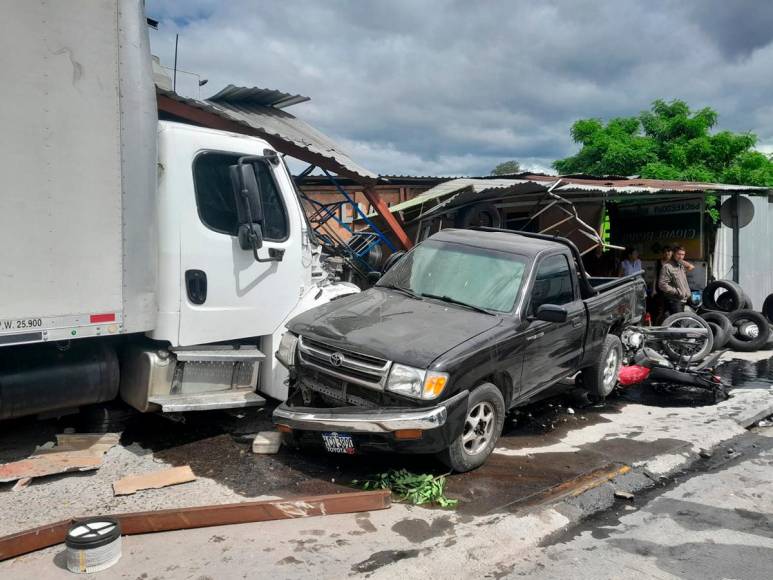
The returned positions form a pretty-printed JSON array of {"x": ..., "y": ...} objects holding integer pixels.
[{"x": 747, "y": 374}]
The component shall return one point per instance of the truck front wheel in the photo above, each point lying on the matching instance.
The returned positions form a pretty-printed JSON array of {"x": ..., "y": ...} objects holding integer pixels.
[
  {"x": 600, "y": 379},
  {"x": 482, "y": 428}
]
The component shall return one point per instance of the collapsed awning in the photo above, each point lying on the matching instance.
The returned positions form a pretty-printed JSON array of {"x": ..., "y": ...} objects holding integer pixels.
[
  {"x": 259, "y": 112},
  {"x": 457, "y": 193}
]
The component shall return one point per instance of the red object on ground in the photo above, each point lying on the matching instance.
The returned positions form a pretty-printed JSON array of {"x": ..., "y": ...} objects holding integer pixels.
[
  {"x": 632, "y": 375},
  {"x": 647, "y": 319}
]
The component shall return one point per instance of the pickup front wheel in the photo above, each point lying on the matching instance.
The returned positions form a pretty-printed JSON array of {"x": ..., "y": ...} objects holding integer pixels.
[
  {"x": 482, "y": 428},
  {"x": 600, "y": 379}
]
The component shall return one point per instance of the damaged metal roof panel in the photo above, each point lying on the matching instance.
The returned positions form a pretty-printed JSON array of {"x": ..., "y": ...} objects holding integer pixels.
[
  {"x": 453, "y": 186},
  {"x": 257, "y": 96},
  {"x": 286, "y": 133}
]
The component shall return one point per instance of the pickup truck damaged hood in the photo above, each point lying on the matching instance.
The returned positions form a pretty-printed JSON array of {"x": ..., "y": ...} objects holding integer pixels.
[{"x": 387, "y": 324}]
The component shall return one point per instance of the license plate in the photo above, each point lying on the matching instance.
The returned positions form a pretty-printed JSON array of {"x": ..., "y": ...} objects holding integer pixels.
[{"x": 338, "y": 443}]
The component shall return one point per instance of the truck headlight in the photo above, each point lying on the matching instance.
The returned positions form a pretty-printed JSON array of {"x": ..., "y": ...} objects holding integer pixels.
[
  {"x": 285, "y": 354},
  {"x": 416, "y": 383}
]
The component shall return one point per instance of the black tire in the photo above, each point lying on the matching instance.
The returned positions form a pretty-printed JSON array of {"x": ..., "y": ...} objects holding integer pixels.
[
  {"x": 733, "y": 301},
  {"x": 686, "y": 319},
  {"x": 767, "y": 308},
  {"x": 596, "y": 379},
  {"x": 719, "y": 319},
  {"x": 720, "y": 336},
  {"x": 462, "y": 455},
  {"x": 740, "y": 343},
  {"x": 480, "y": 214}
]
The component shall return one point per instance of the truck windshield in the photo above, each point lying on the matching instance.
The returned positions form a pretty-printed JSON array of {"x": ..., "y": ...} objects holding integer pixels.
[{"x": 475, "y": 276}]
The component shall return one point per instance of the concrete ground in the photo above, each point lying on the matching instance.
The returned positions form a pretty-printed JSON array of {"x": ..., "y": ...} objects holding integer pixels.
[
  {"x": 717, "y": 524},
  {"x": 554, "y": 467}
]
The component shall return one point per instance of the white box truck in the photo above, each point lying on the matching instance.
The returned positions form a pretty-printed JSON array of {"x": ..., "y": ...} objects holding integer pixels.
[{"x": 155, "y": 261}]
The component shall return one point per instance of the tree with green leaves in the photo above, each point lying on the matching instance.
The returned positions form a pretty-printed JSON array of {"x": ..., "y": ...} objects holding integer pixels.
[
  {"x": 507, "y": 168},
  {"x": 669, "y": 141}
]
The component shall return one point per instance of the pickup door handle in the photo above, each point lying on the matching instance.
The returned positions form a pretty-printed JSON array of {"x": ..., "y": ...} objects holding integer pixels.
[{"x": 576, "y": 322}]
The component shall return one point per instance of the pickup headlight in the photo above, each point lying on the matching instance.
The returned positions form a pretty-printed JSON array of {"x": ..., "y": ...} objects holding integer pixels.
[
  {"x": 285, "y": 354},
  {"x": 416, "y": 383}
]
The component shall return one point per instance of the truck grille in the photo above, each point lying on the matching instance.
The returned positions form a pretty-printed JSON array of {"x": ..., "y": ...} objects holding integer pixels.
[{"x": 360, "y": 369}]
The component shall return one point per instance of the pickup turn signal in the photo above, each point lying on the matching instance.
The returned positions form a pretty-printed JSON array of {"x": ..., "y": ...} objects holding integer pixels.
[
  {"x": 408, "y": 434},
  {"x": 434, "y": 385}
]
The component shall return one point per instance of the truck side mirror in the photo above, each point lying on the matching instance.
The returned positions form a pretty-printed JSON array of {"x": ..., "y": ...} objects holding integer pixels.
[
  {"x": 249, "y": 209},
  {"x": 552, "y": 313}
]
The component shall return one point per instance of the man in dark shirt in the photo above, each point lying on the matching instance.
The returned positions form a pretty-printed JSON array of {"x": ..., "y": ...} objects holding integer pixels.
[{"x": 672, "y": 282}]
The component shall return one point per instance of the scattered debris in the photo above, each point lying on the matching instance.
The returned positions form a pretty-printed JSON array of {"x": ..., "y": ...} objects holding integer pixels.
[
  {"x": 204, "y": 516},
  {"x": 267, "y": 442},
  {"x": 21, "y": 484},
  {"x": 705, "y": 453},
  {"x": 570, "y": 410},
  {"x": 153, "y": 480},
  {"x": 73, "y": 452},
  {"x": 417, "y": 489},
  {"x": 620, "y": 494}
]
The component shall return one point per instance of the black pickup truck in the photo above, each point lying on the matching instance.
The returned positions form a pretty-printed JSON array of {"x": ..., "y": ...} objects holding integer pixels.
[{"x": 466, "y": 326}]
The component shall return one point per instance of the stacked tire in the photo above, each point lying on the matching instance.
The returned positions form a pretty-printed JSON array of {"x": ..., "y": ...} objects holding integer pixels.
[{"x": 732, "y": 318}]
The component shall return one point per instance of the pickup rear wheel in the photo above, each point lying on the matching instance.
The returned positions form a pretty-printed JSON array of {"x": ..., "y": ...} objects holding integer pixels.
[
  {"x": 482, "y": 428},
  {"x": 600, "y": 379}
]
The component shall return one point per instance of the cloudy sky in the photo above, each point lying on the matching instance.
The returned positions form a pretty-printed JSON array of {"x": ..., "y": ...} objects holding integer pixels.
[{"x": 451, "y": 87}]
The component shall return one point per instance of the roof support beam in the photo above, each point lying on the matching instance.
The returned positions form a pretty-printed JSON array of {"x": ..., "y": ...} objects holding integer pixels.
[{"x": 382, "y": 209}]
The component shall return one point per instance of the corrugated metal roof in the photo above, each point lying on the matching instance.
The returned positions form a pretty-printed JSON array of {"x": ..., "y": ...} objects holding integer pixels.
[
  {"x": 257, "y": 96},
  {"x": 600, "y": 186},
  {"x": 284, "y": 131},
  {"x": 453, "y": 186}
]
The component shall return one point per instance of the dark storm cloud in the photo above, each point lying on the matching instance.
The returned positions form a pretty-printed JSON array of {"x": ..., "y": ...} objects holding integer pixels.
[
  {"x": 737, "y": 27},
  {"x": 455, "y": 87}
]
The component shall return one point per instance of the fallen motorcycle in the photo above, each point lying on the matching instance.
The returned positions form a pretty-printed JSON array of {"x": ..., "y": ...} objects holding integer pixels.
[{"x": 675, "y": 369}]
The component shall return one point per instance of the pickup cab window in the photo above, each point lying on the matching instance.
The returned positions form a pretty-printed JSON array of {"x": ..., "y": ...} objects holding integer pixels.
[
  {"x": 474, "y": 276},
  {"x": 552, "y": 284},
  {"x": 215, "y": 198}
]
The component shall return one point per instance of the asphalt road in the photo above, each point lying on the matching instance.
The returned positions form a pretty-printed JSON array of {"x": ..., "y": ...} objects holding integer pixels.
[{"x": 715, "y": 524}]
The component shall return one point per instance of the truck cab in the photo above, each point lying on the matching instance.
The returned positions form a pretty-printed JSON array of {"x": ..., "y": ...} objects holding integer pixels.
[{"x": 221, "y": 306}]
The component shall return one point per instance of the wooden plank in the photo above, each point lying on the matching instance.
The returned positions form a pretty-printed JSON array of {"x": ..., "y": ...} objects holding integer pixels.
[
  {"x": 205, "y": 516},
  {"x": 73, "y": 452},
  {"x": 50, "y": 464},
  {"x": 153, "y": 480}
]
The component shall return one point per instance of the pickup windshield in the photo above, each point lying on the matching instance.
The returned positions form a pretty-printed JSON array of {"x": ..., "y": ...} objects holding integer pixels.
[{"x": 477, "y": 277}]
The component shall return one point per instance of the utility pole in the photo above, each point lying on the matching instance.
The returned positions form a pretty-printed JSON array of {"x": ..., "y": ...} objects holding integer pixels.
[{"x": 174, "y": 79}]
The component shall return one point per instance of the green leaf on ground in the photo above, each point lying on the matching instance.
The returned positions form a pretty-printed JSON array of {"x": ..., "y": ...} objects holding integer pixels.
[{"x": 417, "y": 489}]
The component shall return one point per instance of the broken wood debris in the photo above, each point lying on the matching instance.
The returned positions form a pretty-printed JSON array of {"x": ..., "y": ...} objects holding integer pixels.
[
  {"x": 73, "y": 452},
  {"x": 204, "y": 516},
  {"x": 153, "y": 480}
]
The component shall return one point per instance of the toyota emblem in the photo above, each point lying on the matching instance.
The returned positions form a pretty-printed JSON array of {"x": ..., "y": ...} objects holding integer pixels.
[{"x": 336, "y": 359}]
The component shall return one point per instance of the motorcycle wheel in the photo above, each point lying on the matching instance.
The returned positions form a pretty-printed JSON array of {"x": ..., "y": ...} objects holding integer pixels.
[{"x": 697, "y": 351}]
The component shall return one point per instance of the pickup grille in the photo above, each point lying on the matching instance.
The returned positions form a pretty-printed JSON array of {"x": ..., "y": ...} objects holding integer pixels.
[{"x": 360, "y": 369}]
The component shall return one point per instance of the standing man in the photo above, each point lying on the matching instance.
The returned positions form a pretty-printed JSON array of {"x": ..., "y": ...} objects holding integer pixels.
[{"x": 672, "y": 282}]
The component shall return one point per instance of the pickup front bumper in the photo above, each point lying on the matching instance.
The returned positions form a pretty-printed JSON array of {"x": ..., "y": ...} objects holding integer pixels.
[{"x": 375, "y": 428}]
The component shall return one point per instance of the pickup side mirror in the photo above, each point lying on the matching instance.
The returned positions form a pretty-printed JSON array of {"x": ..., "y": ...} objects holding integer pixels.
[{"x": 552, "y": 313}]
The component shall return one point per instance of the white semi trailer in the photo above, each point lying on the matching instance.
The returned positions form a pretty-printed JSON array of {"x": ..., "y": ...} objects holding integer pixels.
[{"x": 154, "y": 261}]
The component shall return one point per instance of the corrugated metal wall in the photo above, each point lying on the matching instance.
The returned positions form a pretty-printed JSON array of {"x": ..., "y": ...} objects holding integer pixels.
[{"x": 756, "y": 253}]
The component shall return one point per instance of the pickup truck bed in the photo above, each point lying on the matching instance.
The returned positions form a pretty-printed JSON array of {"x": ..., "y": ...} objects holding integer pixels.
[{"x": 468, "y": 325}]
